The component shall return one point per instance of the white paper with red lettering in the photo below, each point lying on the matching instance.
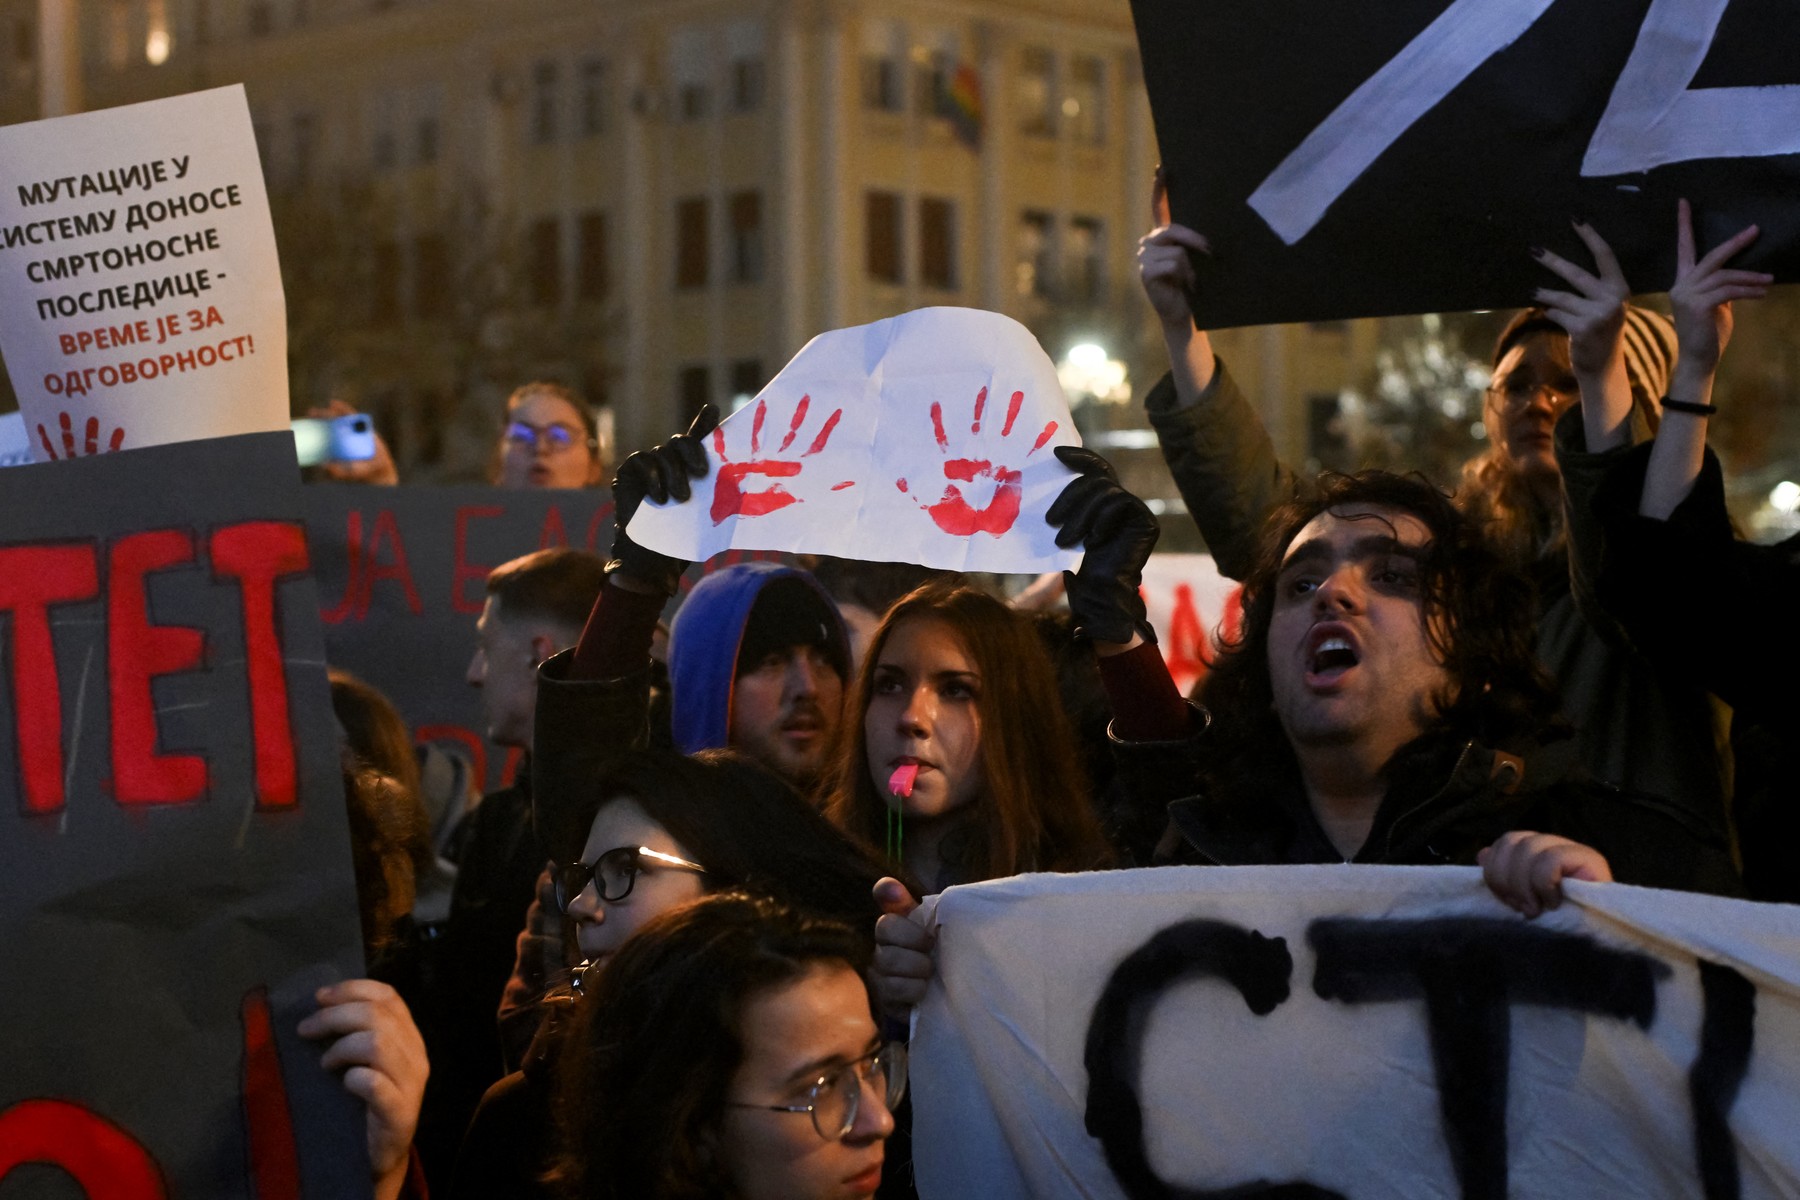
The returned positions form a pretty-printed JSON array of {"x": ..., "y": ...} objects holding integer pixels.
[
  {"x": 140, "y": 289},
  {"x": 1061, "y": 1001},
  {"x": 1189, "y": 605},
  {"x": 926, "y": 438}
]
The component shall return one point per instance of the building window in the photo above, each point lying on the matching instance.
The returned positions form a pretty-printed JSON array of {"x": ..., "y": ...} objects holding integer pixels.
[
  {"x": 1035, "y": 247},
  {"x": 937, "y": 243},
  {"x": 543, "y": 262},
  {"x": 593, "y": 279},
  {"x": 1086, "y": 260},
  {"x": 882, "y": 88},
  {"x": 695, "y": 386},
  {"x": 261, "y": 17},
  {"x": 931, "y": 84},
  {"x": 1084, "y": 109},
  {"x": 746, "y": 237},
  {"x": 543, "y": 102},
  {"x": 593, "y": 97},
  {"x": 749, "y": 80},
  {"x": 691, "y": 250},
  {"x": 692, "y": 101},
  {"x": 384, "y": 287},
  {"x": 425, "y": 141},
  {"x": 432, "y": 290},
  {"x": 302, "y": 12},
  {"x": 747, "y": 379},
  {"x": 306, "y": 143},
  {"x": 881, "y": 212},
  {"x": 1034, "y": 92},
  {"x": 24, "y": 42},
  {"x": 385, "y": 153}
]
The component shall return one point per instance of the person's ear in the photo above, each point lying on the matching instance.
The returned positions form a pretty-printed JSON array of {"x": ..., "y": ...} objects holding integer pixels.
[{"x": 542, "y": 647}]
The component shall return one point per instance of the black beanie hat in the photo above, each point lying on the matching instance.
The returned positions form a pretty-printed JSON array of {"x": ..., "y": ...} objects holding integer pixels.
[{"x": 791, "y": 612}]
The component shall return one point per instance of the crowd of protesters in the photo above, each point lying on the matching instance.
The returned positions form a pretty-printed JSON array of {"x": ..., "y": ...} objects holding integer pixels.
[{"x": 673, "y": 958}]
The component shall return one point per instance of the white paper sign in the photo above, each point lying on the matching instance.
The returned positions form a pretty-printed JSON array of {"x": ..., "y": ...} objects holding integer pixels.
[
  {"x": 1359, "y": 1031},
  {"x": 140, "y": 290},
  {"x": 1189, "y": 604},
  {"x": 926, "y": 438}
]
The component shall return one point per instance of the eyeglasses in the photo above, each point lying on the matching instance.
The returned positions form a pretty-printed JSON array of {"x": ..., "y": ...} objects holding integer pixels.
[
  {"x": 523, "y": 435},
  {"x": 835, "y": 1097},
  {"x": 1517, "y": 391},
  {"x": 614, "y": 872}
]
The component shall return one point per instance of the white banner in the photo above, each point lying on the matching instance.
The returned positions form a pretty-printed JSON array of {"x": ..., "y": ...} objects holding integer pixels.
[
  {"x": 926, "y": 438},
  {"x": 1353, "y": 1031},
  {"x": 140, "y": 289}
]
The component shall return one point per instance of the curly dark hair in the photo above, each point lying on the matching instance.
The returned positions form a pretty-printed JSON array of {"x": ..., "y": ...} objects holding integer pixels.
[
  {"x": 643, "y": 1076},
  {"x": 1481, "y": 622}
]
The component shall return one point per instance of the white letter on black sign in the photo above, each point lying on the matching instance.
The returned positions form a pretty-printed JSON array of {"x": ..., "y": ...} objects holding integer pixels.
[
  {"x": 1654, "y": 119},
  {"x": 1309, "y": 181}
]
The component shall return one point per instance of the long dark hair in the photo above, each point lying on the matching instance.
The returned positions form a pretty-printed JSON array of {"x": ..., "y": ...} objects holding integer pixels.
[
  {"x": 743, "y": 823},
  {"x": 643, "y": 1078},
  {"x": 1034, "y": 812},
  {"x": 1480, "y": 618}
]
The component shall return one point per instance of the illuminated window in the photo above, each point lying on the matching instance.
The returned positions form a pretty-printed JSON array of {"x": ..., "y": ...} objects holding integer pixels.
[{"x": 1034, "y": 92}]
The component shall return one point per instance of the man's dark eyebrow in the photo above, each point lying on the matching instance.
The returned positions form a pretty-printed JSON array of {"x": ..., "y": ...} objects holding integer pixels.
[{"x": 1372, "y": 545}]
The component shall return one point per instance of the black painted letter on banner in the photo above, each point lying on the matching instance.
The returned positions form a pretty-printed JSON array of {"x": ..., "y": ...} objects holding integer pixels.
[
  {"x": 1469, "y": 973},
  {"x": 1258, "y": 967}
]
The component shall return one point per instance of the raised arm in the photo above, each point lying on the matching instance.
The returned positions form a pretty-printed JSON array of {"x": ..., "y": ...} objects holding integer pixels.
[
  {"x": 1214, "y": 442},
  {"x": 1701, "y": 299},
  {"x": 1594, "y": 316}
]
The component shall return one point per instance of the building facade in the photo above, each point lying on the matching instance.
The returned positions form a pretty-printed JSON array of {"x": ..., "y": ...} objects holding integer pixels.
[{"x": 662, "y": 201}]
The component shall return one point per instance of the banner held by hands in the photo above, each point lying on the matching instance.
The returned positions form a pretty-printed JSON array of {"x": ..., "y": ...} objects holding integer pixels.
[{"x": 924, "y": 438}]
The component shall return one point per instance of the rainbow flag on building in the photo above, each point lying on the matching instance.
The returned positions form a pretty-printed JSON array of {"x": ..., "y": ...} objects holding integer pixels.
[{"x": 960, "y": 101}]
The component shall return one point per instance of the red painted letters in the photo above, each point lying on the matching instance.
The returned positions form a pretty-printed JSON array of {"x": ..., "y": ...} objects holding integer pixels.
[
  {"x": 138, "y": 651},
  {"x": 32, "y": 578},
  {"x": 258, "y": 554}
]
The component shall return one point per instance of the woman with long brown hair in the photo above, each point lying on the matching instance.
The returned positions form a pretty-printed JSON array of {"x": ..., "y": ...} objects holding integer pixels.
[{"x": 955, "y": 754}]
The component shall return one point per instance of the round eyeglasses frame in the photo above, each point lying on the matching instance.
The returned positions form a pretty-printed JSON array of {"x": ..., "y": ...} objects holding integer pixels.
[{"x": 844, "y": 1086}]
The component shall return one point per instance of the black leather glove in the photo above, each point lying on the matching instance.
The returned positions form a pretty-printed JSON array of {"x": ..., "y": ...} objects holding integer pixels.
[
  {"x": 1118, "y": 531},
  {"x": 661, "y": 474}
]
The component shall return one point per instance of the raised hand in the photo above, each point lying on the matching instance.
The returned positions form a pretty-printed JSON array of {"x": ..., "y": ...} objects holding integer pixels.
[
  {"x": 662, "y": 473},
  {"x": 1703, "y": 292},
  {"x": 730, "y": 499},
  {"x": 1164, "y": 266},
  {"x": 1594, "y": 313},
  {"x": 903, "y": 968},
  {"x": 89, "y": 445},
  {"x": 995, "y": 462},
  {"x": 1118, "y": 531}
]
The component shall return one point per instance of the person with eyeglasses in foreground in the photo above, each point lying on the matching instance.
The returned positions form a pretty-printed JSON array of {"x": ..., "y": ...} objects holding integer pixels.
[
  {"x": 550, "y": 440},
  {"x": 729, "y": 1050},
  {"x": 657, "y": 831}
]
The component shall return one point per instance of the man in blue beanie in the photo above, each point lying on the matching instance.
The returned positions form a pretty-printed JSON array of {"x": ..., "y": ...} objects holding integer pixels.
[{"x": 757, "y": 660}]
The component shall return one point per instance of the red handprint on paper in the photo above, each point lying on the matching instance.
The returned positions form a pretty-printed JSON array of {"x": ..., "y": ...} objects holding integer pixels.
[
  {"x": 953, "y": 511},
  {"x": 729, "y": 497},
  {"x": 90, "y": 446}
]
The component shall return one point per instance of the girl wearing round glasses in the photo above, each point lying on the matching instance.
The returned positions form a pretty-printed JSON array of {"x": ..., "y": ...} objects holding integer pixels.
[
  {"x": 550, "y": 440},
  {"x": 737, "y": 1037},
  {"x": 657, "y": 831}
]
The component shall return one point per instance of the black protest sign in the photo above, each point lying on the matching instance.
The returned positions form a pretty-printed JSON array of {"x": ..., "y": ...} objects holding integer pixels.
[
  {"x": 175, "y": 873},
  {"x": 1358, "y": 160},
  {"x": 402, "y": 579}
]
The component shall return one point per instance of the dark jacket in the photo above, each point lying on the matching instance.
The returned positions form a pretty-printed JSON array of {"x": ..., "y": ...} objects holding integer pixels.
[
  {"x": 1447, "y": 799},
  {"x": 1714, "y": 611},
  {"x": 1637, "y": 727}
]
